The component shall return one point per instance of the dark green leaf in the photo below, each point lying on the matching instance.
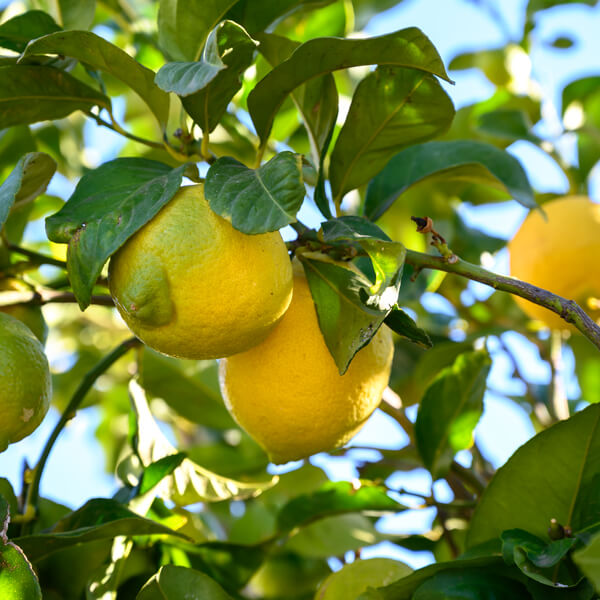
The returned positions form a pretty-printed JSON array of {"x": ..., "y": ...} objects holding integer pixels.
[
  {"x": 256, "y": 200},
  {"x": 30, "y": 94},
  {"x": 16, "y": 32},
  {"x": 506, "y": 124},
  {"x": 107, "y": 207},
  {"x": 8, "y": 495},
  {"x": 17, "y": 577},
  {"x": 407, "y": 48},
  {"x": 29, "y": 179},
  {"x": 333, "y": 498},
  {"x": 97, "y": 519},
  {"x": 157, "y": 471},
  {"x": 562, "y": 42},
  {"x": 450, "y": 410},
  {"x": 96, "y": 52},
  {"x": 404, "y": 588},
  {"x": 346, "y": 321},
  {"x": 175, "y": 583},
  {"x": 235, "y": 52},
  {"x": 588, "y": 560},
  {"x": 351, "y": 227},
  {"x": 461, "y": 160},
  {"x": 184, "y": 25},
  {"x": 571, "y": 454},
  {"x": 71, "y": 14},
  {"x": 316, "y": 100},
  {"x": 402, "y": 324},
  {"x": 391, "y": 108}
]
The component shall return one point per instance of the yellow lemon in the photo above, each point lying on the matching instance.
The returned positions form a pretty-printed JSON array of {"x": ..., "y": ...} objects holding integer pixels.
[
  {"x": 25, "y": 384},
  {"x": 287, "y": 392},
  {"x": 190, "y": 285},
  {"x": 30, "y": 315},
  {"x": 560, "y": 254}
]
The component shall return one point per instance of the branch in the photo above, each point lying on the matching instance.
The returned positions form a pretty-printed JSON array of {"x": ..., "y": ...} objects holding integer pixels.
[
  {"x": 37, "y": 258},
  {"x": 569, "y": 310},
  {"x": 41, "y": 297}
]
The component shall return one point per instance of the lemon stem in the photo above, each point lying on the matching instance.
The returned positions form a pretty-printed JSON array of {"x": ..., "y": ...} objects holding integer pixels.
[{"x": 33, "y": 493}]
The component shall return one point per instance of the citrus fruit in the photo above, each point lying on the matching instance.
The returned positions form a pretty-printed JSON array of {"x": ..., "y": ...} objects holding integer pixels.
[
  {"x": 30, "y": 315},
  {"x": 287, "y": 392},
  {"x": 560, "y": 254},
  {"x": 25, "y": 384},
  {"x": 354, "y": 578},
  {"x": 190, "y": 285}
]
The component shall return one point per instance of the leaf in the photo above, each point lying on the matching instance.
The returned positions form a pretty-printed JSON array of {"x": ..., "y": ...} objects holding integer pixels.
[
  {"x": 189, "y": 483},
  {"x": 335, "y": 498},
  {"x": 256, "y": 200},
  {"x": 564, "y": 459},
  {"x": 391, "y": 108},
  {"x": 346, "y": 321},
  {"x": 157, "y": 471},
  {"x": 402, "y": 324},
  {"x": 450, "y": 410},
  {"x": 462, "y": 160},
  {"x": 506, "y": 124},
  {"x": 28, "y": 179},
  {"x": 588, "y": 560},
  {"x": 107, "y": 207},
  {"x": 97, "y": 519},
  {"x": 16, "y": 32},
  {"x": 235, "y": 52},
  {"x": 174, "y": 583},
  {"x": 316, "y": 100},
  {"x": 97, "y": 53},
  {"x": 17, "y": 577},
  {"x": 184, "y": 25},
  {"x": 71, "y": 14},
  {"x": 29, "y": 94},
  {"x": 407, "y": 48}
]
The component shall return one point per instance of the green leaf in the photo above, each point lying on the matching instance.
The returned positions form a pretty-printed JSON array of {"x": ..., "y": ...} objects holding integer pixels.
[
  {"x": 354, "y": 578},
  {"x": 334, "y": 498},
  {"x": 462, "y": 160},
  {"x": 175, "y": 583},
  {"x": 71, "y": 14},
  {"x": 157, "y": 471},
  {"x": 256, "y": 200},
  {"x": 351, "y": 227},
  {"x": 391, "y": 108},
  {"x": 16, "y": 32},
  {"x": 588, "y": 560},
  {"x": 97, "y": 519},
  {"x": 191, "y": 388},
  {"x": 7, "y": 495},
  {"x": 28, "y": 179},
  {"x": 316, "y": 100},
  {"x": 17, "y": 577},
  {"x": 406, "y": 48},
  {"x": 507, "y": 124},
  {"x": 97, "y": 53},
  {"x": 189, "y": 483},
  {"x": 450, "y": 410},
  {"x": 570, "y": 452},
  {"x": 402, "y": 324},
  {"x": 346, "y": 321},
  {"x": 184, "y": 25},
  {"x": 107, "y": 207},
  {"x": 29, "y": 94},
  {"x": 235, "y": 52}
]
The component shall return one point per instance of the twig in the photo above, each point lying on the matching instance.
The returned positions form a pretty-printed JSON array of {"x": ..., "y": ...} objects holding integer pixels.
[
  {"x": 41, "y": 297},
  {"x": 69, "y": 412},
  {"x": 468, "y": 477},
  {"x": 391, "y": 404},
  {"x": 119, "y": 130},
  {"x": 569, "y": 310},
  {"x": 36, "y": 257}
]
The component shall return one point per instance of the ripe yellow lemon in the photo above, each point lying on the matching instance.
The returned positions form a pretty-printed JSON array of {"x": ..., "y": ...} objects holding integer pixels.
[
  {"x": 30, "y": 315},
  {"x": 25, "y": 384},
  {"x": 190, "y": 285},
  {"x": 287, "y": 392},
  {"x": 560, "y": 254}
]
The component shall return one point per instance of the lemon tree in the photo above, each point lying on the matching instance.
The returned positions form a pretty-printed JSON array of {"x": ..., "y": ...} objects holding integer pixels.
[{"x": 245, "y": 232}]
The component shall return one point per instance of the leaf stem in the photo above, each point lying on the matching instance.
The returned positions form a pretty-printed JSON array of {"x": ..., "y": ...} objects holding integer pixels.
[
  {"x": 118, "y": 129},
  {"x": 86, "y": 384},
  {"x": 569, "y": 310}
]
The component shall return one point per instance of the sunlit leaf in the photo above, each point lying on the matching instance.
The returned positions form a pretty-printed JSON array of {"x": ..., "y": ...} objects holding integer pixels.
[
  {"x": 71, "y": 14},
  {"x": 588, "y": 560},
  {"x": 175, "y": 583}
]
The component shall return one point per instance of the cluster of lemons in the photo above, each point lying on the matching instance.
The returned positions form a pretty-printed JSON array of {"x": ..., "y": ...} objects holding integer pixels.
[{"x": 190, "y": 285}]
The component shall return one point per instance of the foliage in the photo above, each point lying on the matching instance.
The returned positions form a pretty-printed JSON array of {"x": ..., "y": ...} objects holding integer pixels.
[{"x": 249, "y": 97}]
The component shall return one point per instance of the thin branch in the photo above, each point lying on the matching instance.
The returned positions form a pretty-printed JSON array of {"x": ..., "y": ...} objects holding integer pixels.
[
  {"x": 124, "y": 133},
  {"x": 42, "y": 296},
  {"x": 569, "y": 310},
  {"x": 36, "y": 257},
  {"x": 391, "y": 404}
]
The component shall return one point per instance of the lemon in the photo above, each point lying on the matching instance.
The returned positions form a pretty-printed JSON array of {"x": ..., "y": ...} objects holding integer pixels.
[
  {"x": 25, "y": 384},
  {"x": 30, "y": 315},
  {"x": 190, "y": 285},
  {"x": 560, "y": 254},
  {"x": 287, "y": 392}
]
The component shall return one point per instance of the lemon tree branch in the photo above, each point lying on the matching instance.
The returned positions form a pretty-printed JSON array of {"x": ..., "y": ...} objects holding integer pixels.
[{"x": 569, "y": 310}]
